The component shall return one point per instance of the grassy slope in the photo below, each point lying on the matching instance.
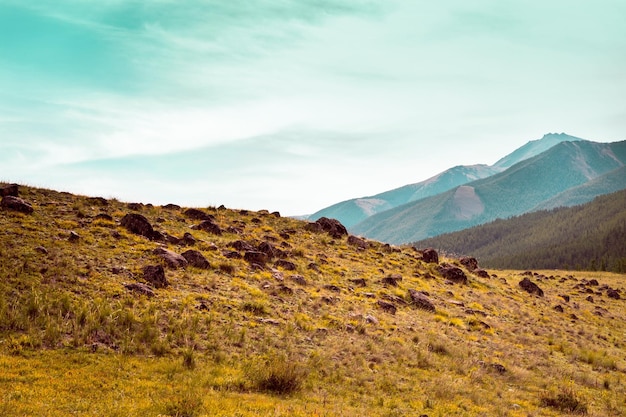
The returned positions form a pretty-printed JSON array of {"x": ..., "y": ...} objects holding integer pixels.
[{"x": 74, "y": 341}]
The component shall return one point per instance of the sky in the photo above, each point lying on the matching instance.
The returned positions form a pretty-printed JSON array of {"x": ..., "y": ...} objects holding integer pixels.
[{"x": 294, "y": 105}]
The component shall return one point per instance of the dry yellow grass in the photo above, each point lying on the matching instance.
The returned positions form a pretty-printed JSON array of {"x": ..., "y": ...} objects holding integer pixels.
[{"x": 75, "y": 341}]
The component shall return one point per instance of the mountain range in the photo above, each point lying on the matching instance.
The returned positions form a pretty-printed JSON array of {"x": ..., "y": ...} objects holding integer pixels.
[{"x": 557, "y": 170}]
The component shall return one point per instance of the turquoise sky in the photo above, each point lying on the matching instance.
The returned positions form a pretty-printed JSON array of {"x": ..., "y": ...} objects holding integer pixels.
[{"x": 294, "y": 105}]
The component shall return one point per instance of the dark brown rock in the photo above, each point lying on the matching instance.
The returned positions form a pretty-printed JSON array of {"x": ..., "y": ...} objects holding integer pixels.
[
  {"x": 358, "y": 242},
  {"x": 430, "y": 256},
  {"x": 421, "y": 301},
  {"x": 313, "y": 266},
  {"x": 241, "y": 245},
  {"x": 155, "y": 275},
  {"x": 558, "y": 308},
  {"x": 286, "y": 265},
  {"x": 209, "y": 226},
  {"x": 140, "y": 288},
  {"x": 268, "y": 249},
  {"x": 187, "y": 240},
  {"x": 103, "y": 216},
  {"x": 138, "y": 224},
  {"x": 530, "y": 287},
  {"x": 468, "y": 262},
  {"x": 298, "y": 279},
  {"x": 196, "y": 259},
  {"x": 332, "y": 226},
  {"x": 332, "y": 288},
  {"x": 392, "y": 280},
  {"x": 134, "y": 206},
  {"x": 9, "y": 190},
  {"x": 197, "y": 214},
  {"x": 255, "y": 257},
  {"x": 387, "y": 306},
  {"x": 231, "y": 254},
  {"x": 359, "y": 282},
  {"x": 73, "y": 237},
  {"x": 172, "y": 259},
  {"x": 453, "y": 273},
  {"x": 611, "y": 293},
  {"x": 11, "y": 202},
  {"x": 171, "y": 206},
  {"x": 481, "y": 273}
]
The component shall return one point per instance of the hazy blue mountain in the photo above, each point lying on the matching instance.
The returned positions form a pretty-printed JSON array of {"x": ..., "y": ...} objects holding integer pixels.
[
  {"x": 353, "y": 211},
  {"x": 518, "y": 189},
  {"x": 532, "y": 148},
  {"x": 588, "y": 236}
]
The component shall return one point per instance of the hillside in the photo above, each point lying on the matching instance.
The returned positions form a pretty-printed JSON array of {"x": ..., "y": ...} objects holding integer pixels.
[
  {"x": 124, "y": 309},
  {"x": 355, "y": 210},
  {"x": 517, "y": 190},
  {"x": 591, "y": 236}
]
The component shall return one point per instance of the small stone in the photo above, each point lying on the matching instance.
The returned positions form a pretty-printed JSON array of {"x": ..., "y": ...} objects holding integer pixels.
[{"x": 74, "y": 237}]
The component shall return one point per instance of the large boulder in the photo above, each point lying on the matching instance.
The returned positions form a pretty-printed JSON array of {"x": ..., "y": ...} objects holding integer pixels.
[
  {"x": 421, "y": 301},
  {"x": 530, "y": 287},
  {"x": 197, "y": 214},
  {"x": 430, "y": 256},
  {"x": 358, "y": 242},
  {"x": 11, "y": 189},
  {"x": 255, "y": 257},
  {"x": 332, "y": 226},
  {"x": 209, "y": 226},
  {"x": 11, "y": 202},
  {"x": 172, "y": 259},
  {"x": 155, "y": 276},
  {"x": 453, "y": 273},
  {"x": 470, "y": 263},
  {"x": 196, "y": 259},
  {"x": 139, "y": 225}
]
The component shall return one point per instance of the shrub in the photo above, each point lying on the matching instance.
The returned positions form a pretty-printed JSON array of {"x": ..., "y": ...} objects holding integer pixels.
[
  {"x": 566, "y": 401},
  {"x": 276, "y": 374}
]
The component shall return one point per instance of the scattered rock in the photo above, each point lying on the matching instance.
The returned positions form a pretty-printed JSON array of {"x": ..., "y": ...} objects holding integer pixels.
[
  {"x": 565, "y": 297},
  {"x": 196, "y": 259},
  {"x": 421, "y": 301},
  {"x": 209, "y": 226},
  {"x": 611, "y": 293},
  {"x": 171, "y": 206},
  {"x": 313, "y": 266},
  {"x": 197, "y": 214},
  {"x": 286, "y": 265},
  {"x": 453, "y": 273},
  {"x": 590, "y": 299},
  {"x": 134, "y": 206},
  {"x": 558, "y": 308},
  {"x": 139, "y": 225},
  {"x": 430, "y": 256},
  {"x": 140, "y": 288},
  {"x": 268, "y": 249},
  {"x": 231, "y": 254},
  {"x": 275, "y": 214},
  {"x": 481, "y": 273},
  {"x": 332, "y": 288},
  {"x": 387, "y": 306},
  {"x": 155, "y": 275},
  {"x": 498, "y": 368},
  {"x": 9, "y": 190},
  {"x": 359, "y": 282},
  {"x": 298, "y": 279},
  {"x": 255, "y": 257},
  {"x": 530, "y": 287},
  {"x": 241, "y": 245},
  {"x": 99, "y": 201},
  {"x": 358, "y": 242},
  {"x": 74, "y": 237},
  {"x": 392, "y": 280},
  {"x": 16, "y": 204},
  {"x": 41, "y": 250},
  {"x": 370, "y": 319},
  {"x": 172, "y": 259},
  {"x": 104, "y": 216},
  {"x": 468, "y": 262},
  {"x": 593, "y": 283},
  {"x": 332, "y": 226}
]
